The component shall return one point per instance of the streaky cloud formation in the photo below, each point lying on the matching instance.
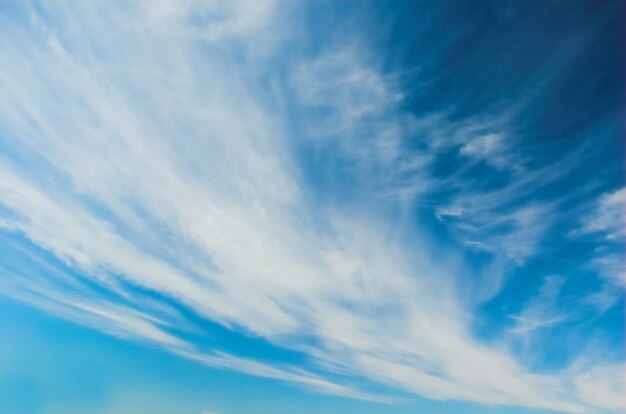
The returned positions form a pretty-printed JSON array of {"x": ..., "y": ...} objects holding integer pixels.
[{"x": 174, "y": 168}]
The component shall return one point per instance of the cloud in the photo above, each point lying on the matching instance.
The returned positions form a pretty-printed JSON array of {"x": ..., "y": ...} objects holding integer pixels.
[
  {"x": 610, "y": 266},
  {"x": 489, "y": 148},
  {"x": 485, "y": 222},
  {"x": 605, "y": 224},
  {"x": 601, "y": 386},
  {"x": 542, "y": 311},
  {"x": 608, "y": 217},
  {"x": 349, "y": 105},
  {"x": 151, "y": 156}
]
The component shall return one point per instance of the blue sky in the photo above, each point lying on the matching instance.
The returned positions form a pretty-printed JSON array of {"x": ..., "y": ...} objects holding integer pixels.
[{"x": 274, "y": 207}]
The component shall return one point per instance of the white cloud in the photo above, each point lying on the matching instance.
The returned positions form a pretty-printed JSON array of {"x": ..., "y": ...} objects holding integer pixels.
[
  {"x": 608, "y": 217},
  {"x": 357, "y": 105},
  {"x": 542, "y": 311},
  {"x": 506, "y": 212},
  {"x": 601, "y": 386},
  {"x": 489, "y": 148},
  {"x": 136, "y": 158},
  {"x": 607, "y": 221},
  {"x": 485, "y": 222}
]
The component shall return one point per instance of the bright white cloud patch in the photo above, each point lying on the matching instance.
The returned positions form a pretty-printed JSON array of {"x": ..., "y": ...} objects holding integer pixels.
[{"x": 142, "y": 149}]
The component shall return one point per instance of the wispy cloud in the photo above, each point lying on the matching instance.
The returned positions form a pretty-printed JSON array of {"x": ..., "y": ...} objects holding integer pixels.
[
  {"x": 489, "y": 148},
  {"x": 141, "y": 149},
  {"x": 608, "y": 218},
  {"x": 542, "y": 311},
  {"x": 604, "y": 225}
]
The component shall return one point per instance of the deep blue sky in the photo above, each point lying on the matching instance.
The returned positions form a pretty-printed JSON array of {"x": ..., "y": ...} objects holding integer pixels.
[{"x": 276, "y": 207}]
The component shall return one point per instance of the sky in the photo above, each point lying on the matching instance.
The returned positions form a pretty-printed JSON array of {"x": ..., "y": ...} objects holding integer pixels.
[{"x": 230, "y": 207}]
